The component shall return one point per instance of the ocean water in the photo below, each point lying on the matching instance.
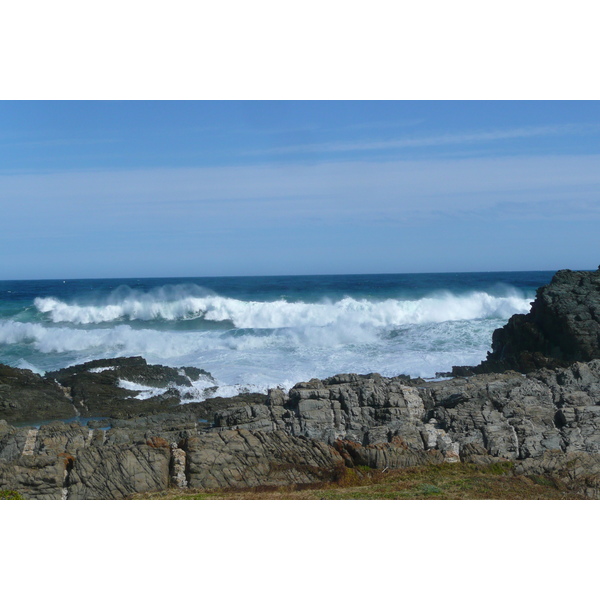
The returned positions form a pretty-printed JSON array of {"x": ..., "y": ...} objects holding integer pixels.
[{"x": 253, "y": 333}]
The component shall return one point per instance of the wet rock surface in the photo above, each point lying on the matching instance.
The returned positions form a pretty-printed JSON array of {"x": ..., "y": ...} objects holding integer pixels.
[
  {"x": 100, "y": 387},
  {"x": 24, "y": 395}
]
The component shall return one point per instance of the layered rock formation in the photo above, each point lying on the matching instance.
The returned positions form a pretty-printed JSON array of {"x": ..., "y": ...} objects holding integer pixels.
[
  {"x": 71, "y": 461},
  {"x": 545, "y": 420}
]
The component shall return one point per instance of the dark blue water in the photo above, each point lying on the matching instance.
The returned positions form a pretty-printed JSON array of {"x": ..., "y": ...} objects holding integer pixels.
[{"x": 258, "y": 332}]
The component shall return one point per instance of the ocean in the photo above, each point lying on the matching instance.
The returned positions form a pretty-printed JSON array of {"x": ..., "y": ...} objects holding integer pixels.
[{"x": 254, "y": 333}]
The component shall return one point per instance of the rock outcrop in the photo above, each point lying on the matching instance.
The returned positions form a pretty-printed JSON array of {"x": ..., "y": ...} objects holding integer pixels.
[
  {"x": 241, "y": 458},
  {"x": 26, "y": 396},
  {"x": 366, "y": 409},
  {"x": 105, "y": 472},
  {"x": 541, "y": 421},
  {"x": 100, "y": 388},
  {"x": 71, "y": 461},
  {"x": 107, "y": 387},
  {"x": 562, "y": 327}
]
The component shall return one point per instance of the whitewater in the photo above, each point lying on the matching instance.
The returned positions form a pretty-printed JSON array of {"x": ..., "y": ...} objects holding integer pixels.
[{"x": 253, "y": 333}]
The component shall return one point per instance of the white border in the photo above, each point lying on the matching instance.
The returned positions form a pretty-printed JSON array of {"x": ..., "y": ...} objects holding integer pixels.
[{"x": 326, "y": 49}]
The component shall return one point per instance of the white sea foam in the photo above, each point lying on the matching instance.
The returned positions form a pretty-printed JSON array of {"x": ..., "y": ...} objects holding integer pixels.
[
  {"x": 269, "y": 344},
  {"x": 24, "y": 364},
  {"x": 143, "y": 392},
  {"x": 123, "y": 340},
  {"x": 281, "y": 313},
  {"x": 198, "y": 391},
  {"x": 257, "y": 361}
]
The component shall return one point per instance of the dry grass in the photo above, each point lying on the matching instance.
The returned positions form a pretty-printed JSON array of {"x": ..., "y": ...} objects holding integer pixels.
[{"x": 458, "y": 481}]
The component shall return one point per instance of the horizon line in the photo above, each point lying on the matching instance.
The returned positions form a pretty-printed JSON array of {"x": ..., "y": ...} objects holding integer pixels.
[{"x": 295, "y": 275}]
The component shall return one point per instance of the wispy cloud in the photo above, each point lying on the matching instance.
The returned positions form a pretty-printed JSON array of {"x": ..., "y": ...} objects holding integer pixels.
[
  {"x": 277, "y": 218},
  {"x": 472, "y": 137},
  {"x": 245, "y": 196}
]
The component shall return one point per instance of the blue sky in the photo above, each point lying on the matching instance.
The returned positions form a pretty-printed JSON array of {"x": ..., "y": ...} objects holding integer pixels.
[{"x": 142, "y": 189}]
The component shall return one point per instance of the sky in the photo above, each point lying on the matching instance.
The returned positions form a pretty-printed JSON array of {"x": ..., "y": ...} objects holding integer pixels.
[{"x": 209, "y": 188}]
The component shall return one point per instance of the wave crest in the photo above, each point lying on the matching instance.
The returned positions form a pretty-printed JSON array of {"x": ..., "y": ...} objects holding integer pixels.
[
  {"x": 170, "y": 303},
  {"x": 276, "y": 314}
]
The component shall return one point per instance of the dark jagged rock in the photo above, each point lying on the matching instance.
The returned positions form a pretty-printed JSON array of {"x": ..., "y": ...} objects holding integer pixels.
[
  {"x": 95, "y": 390},
  {"x": 26, "y": 396},
  {"x": 136, "y": 370},
  {"x": 92, "y": 390},
  {"x": 562, "y": 327}
]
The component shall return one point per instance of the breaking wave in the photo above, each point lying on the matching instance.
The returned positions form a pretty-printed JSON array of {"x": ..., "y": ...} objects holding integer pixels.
[
  {"x": 124, "y": 340},
  {"x": 178, "y": 304},
  {"x": 255, "y": 333},
  {"x": 255, "y": 360}
]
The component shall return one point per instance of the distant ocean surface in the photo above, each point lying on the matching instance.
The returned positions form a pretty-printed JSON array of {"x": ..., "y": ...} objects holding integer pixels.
[{"x": 253, "y": 333}]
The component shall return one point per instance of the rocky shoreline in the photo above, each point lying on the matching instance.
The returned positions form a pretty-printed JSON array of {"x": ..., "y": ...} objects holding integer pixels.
[{"x": 535, "y": 401}]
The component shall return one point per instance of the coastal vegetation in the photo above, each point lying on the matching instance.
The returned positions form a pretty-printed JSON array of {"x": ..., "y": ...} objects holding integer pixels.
[
  {"x": 10, "y": 495},
  {"x": 447, "y": 481}
]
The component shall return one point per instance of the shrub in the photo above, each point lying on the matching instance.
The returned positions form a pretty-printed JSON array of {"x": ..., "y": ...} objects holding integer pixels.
[{"x": 427, "y": 489}]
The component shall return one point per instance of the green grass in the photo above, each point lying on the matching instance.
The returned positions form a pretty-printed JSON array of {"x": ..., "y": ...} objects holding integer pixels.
[
  {"x": 10, "y": 495},
  {"x": 449, "y": 481}
]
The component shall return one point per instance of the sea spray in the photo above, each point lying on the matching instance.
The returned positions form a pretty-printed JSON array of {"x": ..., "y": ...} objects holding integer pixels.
[
  {"x": 444, "y": 306},
  {"x": 256, "y": 333}
]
